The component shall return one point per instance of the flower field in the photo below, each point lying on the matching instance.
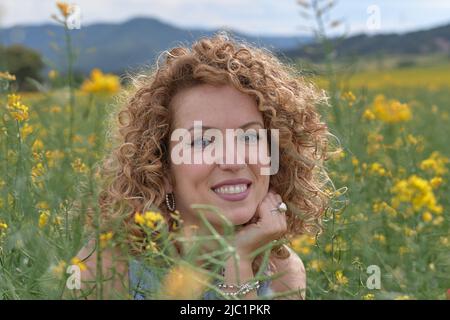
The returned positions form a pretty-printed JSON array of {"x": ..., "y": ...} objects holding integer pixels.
[{"x": 390, "y": 211}]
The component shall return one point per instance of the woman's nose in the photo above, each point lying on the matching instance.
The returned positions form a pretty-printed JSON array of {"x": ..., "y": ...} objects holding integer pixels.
[
  {"x": 234, "y": 158},
  {"x": 232, "y": 166}
]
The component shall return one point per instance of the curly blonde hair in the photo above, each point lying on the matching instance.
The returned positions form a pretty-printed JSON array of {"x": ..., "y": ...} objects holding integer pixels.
[{"x": 140, "y": 130}]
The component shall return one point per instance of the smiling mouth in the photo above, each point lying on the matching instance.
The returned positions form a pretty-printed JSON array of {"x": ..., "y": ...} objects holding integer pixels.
[
  {"x": 232, "y": 189},
  {"x": 233, "y": 192}
]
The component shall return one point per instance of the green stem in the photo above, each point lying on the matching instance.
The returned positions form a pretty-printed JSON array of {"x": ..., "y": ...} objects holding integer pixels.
[
  {"x": 19, "y": 161},
  {"x": 70, "y": 61}
]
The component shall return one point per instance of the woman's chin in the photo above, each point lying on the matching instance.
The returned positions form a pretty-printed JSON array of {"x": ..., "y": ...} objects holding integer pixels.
[{"x": 238, "y": 218}]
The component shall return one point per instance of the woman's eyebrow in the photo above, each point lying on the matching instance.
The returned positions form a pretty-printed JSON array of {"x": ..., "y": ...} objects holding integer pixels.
[{"x": 248, "y": 124}]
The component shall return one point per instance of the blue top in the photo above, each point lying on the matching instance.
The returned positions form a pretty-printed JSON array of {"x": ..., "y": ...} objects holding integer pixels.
[{"x": 144, "y": 280}]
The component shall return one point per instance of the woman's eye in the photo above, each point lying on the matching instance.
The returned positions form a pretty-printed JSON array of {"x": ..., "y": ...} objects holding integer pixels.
[
  {"x": 201, "y": 142},
  {"x": 249, "y": 138}
]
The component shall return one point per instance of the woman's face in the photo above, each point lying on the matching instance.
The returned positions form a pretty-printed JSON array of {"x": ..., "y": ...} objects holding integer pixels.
[{"x": 235, "y": 186}]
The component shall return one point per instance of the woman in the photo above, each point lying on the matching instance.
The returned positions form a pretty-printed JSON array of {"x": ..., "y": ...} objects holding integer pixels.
[{"x": 219, "y": 84}]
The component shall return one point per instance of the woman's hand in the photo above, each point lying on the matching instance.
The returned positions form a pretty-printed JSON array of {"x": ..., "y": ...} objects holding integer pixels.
[{"x": 264, "y": 227}]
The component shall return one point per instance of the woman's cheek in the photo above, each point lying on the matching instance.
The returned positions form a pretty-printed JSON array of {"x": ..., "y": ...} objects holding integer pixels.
[
  {"x": 192, "y": 176},
  {"x": 261, "y": 188}
]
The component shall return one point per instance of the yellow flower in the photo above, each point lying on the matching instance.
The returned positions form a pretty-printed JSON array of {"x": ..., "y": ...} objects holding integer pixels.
[
  {"x": 26, "y": 130},
  {"x": 369, "y": 296},
  {"x": 55, "y": 109},
  {"x": 380, "y": 238},
  {"x": 139, "y": 218},
  {"x": 7, "y": 76},
  {"x": 377, "y": 207},
  {"x": 37, "y": 171},
  {"x": 52, "y": 74},
  {"x": 383, "y": 206},
  {"x": 316, "y": 265},
  {"x": 338, "y": 155},
  {"x": 43, "y": 218},
  {"x": 152, "y": 247},
  {"x": 149, "y": 219},
  {"x": 409, "y": 232},
  {"x": 350, "y": 97},
  {"x": 340, "y": 278},
  {"x": 154, "y": 217},
  {"x": 390, "y": 211},
  {"x": 355, "y": 161},
  {"x": 77, "y": 138},
  {"x": 436, "y": 182},
  {"x": 427, "y": 216},
  {"x": 360, "y": 216},
  {"x": 91, "y": 139},
  {"x": 369, "y": 115},
  {"x": 403, "y": 297},
  {"x": 302, "y": 244},
  {"x": 436, "y": 164},
  {"x": 104, "y": 238},
  {"x": 3, "y": 225},
  {"x": 374, "y": 142},
  {"x": 79, "y": 166},
  {"x": 17, "y": 109},
  {"x": 59, "y": 269},
  {"x": 411, "y": 139},
  {"x": 76, "y": 261},
  {"x": 37, "y": 145},
  {"x": 64, "y": 8},
  {"x": 377, "y": 168},
  {"x": 418, "y": 192},
  {"x": 438, "y": 220},
  {"x": 183, "y": 282},
  {"x": 53, "y": 156},
  {"x": 101, "y": 83},
  {"x": 42, "y": 205},
  {"x": 57, "y": 221},
  {"x": 391, "y": 111}
]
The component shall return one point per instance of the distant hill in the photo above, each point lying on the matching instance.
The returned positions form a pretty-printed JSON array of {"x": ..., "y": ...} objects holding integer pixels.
[
  {"x": 435, "y": 40},
  {"x": 119, "y": 47}
]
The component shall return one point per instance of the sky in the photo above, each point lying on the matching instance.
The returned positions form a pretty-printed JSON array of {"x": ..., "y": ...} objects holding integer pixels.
[{"x": 256, "y": 17}]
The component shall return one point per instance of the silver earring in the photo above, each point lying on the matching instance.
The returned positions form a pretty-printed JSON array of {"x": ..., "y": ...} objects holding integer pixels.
[{"x": 170, "y": 203}]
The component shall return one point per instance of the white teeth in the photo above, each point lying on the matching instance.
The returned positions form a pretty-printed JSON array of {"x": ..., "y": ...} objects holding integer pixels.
[{"x": 238, "y": 188}]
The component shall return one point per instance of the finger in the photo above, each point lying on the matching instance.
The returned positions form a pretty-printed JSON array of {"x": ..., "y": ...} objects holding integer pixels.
[
  {"x": 265, "y": 209},
  {"x": 275, "y": 197},
  {"x": 272, "y": 196},
  {"x": 274, "y": 219},
  {"x": 280, "y": 217},
  {"x": 278, "y": 198},
  {"x": 275, "y": 200}
]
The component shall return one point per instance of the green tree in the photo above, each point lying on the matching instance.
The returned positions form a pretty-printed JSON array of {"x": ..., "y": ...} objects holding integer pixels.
[{"x": 24, "y": 63}]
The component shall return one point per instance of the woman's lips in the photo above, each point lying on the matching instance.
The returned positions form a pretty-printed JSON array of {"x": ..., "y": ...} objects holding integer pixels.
[
  {"x": 230, "y": 182},
  {"x": 224, "y": 192}
]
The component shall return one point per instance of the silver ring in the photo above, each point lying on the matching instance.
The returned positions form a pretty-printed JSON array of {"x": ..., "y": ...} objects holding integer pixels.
[{"x": 281, "y": 208}]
